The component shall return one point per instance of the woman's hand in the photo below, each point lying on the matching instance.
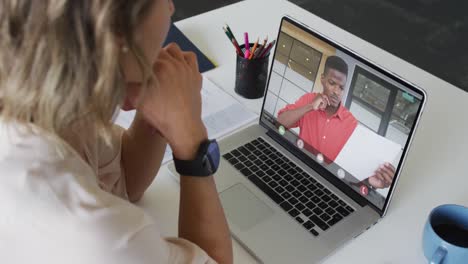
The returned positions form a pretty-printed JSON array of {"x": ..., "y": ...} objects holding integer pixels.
[{"x": 172, "y": 104}]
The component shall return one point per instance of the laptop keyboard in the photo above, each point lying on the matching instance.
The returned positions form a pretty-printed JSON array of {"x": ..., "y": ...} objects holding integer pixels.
[{"x": 305, "y": 199}]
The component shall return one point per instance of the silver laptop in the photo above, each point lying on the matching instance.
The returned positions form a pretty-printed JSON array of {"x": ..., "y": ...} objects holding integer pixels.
[{"x": 321, "y": 166}]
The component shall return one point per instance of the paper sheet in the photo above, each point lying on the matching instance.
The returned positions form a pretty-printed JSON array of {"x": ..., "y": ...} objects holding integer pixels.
[
  {"x": 221, "y": 114},
  {"x": 365, "y": 151}
]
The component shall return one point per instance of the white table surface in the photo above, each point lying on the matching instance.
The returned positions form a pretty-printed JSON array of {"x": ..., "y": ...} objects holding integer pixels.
[{"x": 435, "y": 172}]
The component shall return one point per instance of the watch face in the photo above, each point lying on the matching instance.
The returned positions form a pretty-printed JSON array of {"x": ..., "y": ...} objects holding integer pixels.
[{"x": 213, "y": 155}]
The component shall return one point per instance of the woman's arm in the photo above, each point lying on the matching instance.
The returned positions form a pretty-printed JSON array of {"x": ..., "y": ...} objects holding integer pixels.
[
  {"x": 202, "y": 219},
  {"x": 173, "y": 105},
  {"x": 201, "y": 216},
  {"x": 142, "y": 154}
]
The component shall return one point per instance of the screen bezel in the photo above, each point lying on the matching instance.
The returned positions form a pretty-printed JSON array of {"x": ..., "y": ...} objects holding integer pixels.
[{"x": 329, "y": 176}]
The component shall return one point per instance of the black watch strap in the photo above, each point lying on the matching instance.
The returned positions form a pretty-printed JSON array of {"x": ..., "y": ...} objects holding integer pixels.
[{"x": 204, "y": 164}]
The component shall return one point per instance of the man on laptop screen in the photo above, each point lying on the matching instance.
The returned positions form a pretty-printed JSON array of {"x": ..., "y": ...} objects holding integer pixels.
[
  {"x": 325, "y": 123},
  {"x": 351, "y": 118}
]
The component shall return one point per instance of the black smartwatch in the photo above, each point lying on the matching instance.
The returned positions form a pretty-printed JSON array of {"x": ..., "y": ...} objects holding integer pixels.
[{"x": 206, "y": 162}]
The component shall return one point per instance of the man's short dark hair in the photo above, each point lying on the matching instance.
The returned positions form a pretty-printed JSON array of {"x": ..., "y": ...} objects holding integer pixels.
[{"x": 336, "y": 63}]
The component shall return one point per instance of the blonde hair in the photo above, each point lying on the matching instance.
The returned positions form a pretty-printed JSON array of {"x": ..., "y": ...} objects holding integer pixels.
[{"x": 59, "y": 60}]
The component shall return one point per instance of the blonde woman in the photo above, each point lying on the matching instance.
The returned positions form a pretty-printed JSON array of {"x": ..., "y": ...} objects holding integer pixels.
[{"x": 67, "y": 175}]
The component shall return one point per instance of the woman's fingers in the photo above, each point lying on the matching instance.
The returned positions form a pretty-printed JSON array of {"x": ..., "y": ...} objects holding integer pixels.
[
  {"x": 174, "y": 103},
  {"x": 174, "y": 50},
  {"x": 191, "y": 59}
]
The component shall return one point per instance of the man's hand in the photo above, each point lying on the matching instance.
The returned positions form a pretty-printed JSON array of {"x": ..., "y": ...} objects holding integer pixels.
[
  {"x": 383, "y": 176},
  {"x": 320, "y": 102}
]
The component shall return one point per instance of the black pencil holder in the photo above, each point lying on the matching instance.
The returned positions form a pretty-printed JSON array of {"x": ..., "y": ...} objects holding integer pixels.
[{"x": 251, "y": 75}]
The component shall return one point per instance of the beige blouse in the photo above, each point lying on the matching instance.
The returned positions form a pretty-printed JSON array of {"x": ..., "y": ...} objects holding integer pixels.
[{"x": 63, "y": 209}]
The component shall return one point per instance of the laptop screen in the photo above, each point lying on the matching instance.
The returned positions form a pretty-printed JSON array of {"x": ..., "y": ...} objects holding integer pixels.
[{"x": 346, "y": 114}]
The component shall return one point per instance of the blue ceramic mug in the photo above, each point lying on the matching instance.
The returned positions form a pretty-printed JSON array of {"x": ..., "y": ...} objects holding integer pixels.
[{"x": 445, "y": 238}]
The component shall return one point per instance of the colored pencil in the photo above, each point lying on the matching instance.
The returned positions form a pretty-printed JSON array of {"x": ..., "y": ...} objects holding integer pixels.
[
  {"x": 265, "y": 51},
  {"x": 230, "y": 31},
  {"x": 246, "y": 45},
  {"x": 260, "y": 49},
  {"x": 252, "y": 53},
  {"x": 234, "y": 42}
]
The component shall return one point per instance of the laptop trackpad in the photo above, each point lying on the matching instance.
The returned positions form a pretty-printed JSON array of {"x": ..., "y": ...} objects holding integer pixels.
[{"x": 243, "y": 208}]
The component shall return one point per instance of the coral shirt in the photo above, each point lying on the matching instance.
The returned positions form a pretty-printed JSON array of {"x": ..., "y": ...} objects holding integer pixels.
[{"x": 327, "y": 135}]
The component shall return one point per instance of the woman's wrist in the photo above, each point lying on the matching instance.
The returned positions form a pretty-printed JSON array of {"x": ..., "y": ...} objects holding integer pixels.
[
  {"x": 186, "y": 147},
  {"x": 142, "y": 128}
]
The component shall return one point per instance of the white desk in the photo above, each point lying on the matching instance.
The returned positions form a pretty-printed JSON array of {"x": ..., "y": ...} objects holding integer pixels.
[{"x": 436, "y": 169}]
